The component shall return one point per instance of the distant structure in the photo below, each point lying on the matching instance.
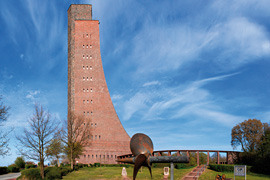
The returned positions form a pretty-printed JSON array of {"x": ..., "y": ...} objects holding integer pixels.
[{"x": 88, "y": 93}]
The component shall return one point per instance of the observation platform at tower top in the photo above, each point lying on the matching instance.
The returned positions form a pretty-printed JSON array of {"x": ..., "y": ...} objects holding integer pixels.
[{"x": 231, "y": 156}]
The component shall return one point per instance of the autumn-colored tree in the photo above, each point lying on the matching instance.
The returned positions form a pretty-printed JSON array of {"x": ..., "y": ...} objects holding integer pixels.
[
  {"x": 55, "y": 149},
  {"x": 76, "y": 137},
  {"x": 248, "y": 134}
]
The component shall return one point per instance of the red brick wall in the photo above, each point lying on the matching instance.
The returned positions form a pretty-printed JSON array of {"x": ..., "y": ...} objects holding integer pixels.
[{"x": 88, "y": 92}]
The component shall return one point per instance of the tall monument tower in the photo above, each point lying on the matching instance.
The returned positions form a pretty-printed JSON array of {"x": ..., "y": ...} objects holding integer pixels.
[{"x": 88, "y": 94}]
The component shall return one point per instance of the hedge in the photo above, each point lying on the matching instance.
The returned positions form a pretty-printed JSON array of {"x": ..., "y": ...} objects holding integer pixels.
[
  {"x": 13, "y": 168},
  {"x": 225, "y": 167},
  {"x": 50, "y": 173},
  {"x": 113, "y": 165},
  {"x": 3, "y": 170},
  {"x": 31, "y": 174},
  {"x": 28, "y": 166},
  {"x": 183, "y": 165}
]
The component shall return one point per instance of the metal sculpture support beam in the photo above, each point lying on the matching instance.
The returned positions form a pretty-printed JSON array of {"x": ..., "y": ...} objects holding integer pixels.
[{"x": 141, "y": 147}]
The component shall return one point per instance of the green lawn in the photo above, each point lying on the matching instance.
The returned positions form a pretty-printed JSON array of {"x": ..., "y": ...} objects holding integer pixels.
[
  {"x": 114, "y": 173},
  {"x": 210, "y": 175}
]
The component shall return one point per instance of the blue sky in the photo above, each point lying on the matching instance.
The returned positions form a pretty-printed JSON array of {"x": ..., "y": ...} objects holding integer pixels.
[{"x": 183, "y": 72}]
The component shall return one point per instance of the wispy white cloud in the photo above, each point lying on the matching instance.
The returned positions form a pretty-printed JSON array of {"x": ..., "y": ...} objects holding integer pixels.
[
  {"x": 191, "y": 100},
  {"x": 116, "y": 97},
  {"x": 31, "y": 95},
  {"x": 152, "y": 83}
]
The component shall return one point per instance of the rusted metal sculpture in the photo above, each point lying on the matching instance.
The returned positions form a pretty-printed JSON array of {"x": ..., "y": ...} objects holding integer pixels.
[{"x": 141, "y": 147}]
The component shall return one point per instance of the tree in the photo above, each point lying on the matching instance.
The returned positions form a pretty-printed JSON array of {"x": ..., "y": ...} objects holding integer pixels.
[
  {"x": 76, "y": 137},
  {"x": 35, "y": 139},
  {"x": 4, "y": 149},
  {"x": 264, "y": 149},
  {"x": 55, "y": 149},
  {"x": 19, "y": 162},
  {"x": 248, "y": 134}
]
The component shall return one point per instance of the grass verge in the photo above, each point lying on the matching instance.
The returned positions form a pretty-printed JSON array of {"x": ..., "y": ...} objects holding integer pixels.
[
  {"x": 211, "y": 174},
  {"x": 114, "y": 173}
]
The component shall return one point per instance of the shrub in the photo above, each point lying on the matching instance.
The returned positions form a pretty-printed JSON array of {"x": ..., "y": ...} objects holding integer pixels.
[
  {"x": 112, "y": 165},
  {"x": 80, "y": 165},
  {"x": 13, "y": 168},
  {"x": 182, "y": 165},
  {"x": 31, "y": 174},
  {"x": 3, "y": 170},
  {"x": 28, "y": 166},
  {"x": 64, "y": 171},
  {"x": 225, "y": 167},
  {"x": 20, "y": 163},
  {"x": 97, "y": 164},
  {"x": 52, "y": 173}
]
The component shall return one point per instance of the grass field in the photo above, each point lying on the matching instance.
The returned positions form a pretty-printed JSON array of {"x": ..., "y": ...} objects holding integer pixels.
[
  {"x": 114, "y": 173},
  {"x": 210, "y": 174}
]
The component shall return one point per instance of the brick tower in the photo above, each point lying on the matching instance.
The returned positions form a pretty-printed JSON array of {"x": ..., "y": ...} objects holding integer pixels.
[{"x": 88, "y": 93}]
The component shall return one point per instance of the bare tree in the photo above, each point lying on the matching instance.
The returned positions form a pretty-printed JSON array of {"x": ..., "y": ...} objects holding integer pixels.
[
  {"x": 34, "y": 140},
  {"x": 4, "y": 149},
  {"x": 76, "y": 136}
]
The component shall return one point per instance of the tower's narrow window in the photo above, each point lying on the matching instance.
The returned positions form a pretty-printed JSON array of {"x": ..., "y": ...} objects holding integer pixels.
[
  {"x": 91, "y": 115},
  {"x": 86, "y": 35},
  {"x": 87, "y": 101},
  {"x": 87, "y": 113},
  {"x": 95, "y": 136},
  {"x": 91, "y": 90},
  {"x": 87, "y": 90},
  {"x": 90, "y": 46},
  {"x": 83, "y": 46},
  {"x": 83, "y": 57},
  {"x": 86, "y": 46},
  {"x": 87, "y": 67},
  {"x": 83, "y": 101},
  {"x": 90, "y": 67},
  {"x": 83, "y": 90},
  {"x": 87, "y": 78},
  {"x": 91, "y": 79},
  {"x": 90, "y": 56},
  {"x": 91, "y": 101},
  {"x": 83, "y": 67},
  {"x": 99, "y": 136},
  {"x": 86, "y": 56},
  {"x": 83, "y": 78}
]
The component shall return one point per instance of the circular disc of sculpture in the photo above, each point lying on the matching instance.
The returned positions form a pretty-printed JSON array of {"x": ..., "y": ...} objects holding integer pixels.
[{"x": 141, "y": 144}]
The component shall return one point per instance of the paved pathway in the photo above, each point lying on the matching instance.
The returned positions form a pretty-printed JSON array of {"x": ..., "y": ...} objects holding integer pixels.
[
  {"x": 195, "y": 173},
  {"x": 9, "y": 176}
]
